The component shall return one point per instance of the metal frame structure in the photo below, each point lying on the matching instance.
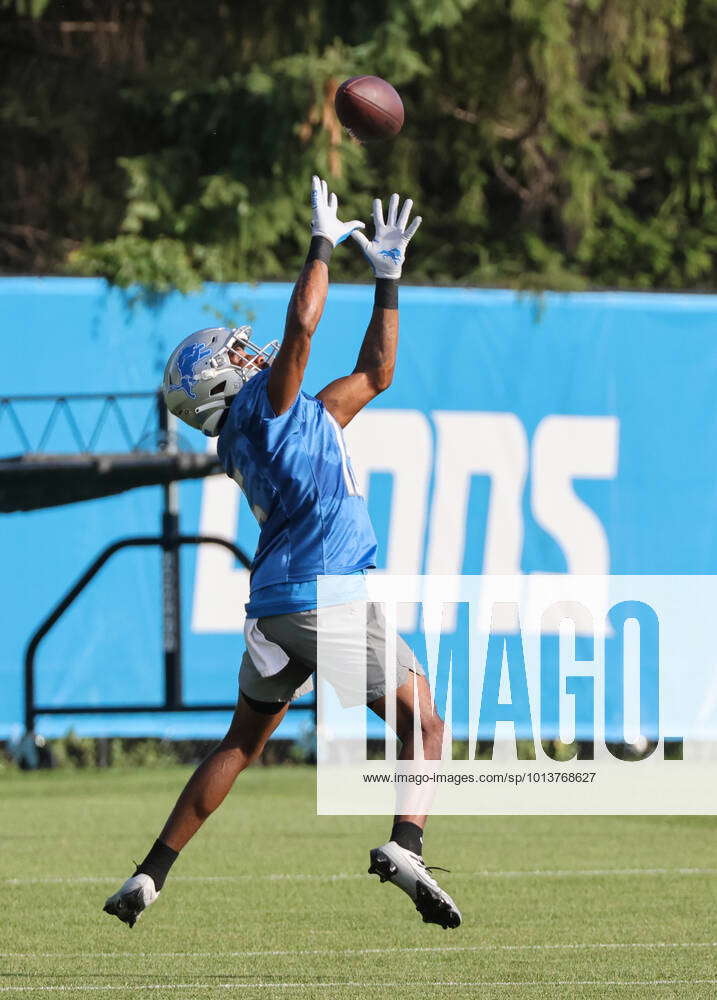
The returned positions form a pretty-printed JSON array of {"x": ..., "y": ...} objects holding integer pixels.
[
  {"x": 109, "y": 444},
  {"x": 170, "y": 541},
  {"x": 66, "y": 406}
]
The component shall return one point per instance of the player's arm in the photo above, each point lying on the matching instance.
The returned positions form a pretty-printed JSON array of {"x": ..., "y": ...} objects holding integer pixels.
[
  {"x": 345, "y": 396},
  {"x": 308, "y": 298}
]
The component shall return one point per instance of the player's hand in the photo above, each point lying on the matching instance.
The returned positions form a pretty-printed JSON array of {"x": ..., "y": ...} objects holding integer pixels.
[
  {"x": 387, "y": 250},
  {"x": 324, "y": 221}
]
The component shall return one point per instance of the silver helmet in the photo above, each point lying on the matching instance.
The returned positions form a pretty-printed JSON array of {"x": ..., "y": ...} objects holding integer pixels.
[{"x": 200, "y": 381}]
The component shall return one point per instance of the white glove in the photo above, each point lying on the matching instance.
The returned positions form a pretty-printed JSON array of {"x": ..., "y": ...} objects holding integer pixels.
[
  {"x": 387, "y": 250},
  {"x": 323, "y": 215}
]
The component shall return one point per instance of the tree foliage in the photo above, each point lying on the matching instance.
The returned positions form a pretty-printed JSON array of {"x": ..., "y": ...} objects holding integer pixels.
[{"x": 548, "y": 143}]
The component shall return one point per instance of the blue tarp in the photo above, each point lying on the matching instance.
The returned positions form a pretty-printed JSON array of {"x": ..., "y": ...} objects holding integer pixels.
[{"x": 522, "y": 434}]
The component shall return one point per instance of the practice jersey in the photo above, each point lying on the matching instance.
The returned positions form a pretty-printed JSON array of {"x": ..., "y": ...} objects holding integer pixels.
[{"x": 298, "y": 480}]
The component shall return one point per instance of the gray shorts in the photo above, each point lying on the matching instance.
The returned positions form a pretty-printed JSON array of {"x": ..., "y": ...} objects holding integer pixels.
[{"x": 296, "y": 635}]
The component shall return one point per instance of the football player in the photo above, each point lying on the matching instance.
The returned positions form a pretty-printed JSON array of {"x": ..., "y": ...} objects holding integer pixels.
[{"x": 286, "y": 451}]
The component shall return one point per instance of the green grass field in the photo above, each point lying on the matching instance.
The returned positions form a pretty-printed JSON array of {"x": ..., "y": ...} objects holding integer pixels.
[{"x": 271, "y": 901}]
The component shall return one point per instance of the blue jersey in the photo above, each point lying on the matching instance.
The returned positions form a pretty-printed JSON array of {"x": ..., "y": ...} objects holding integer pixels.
[{"x": 297, "y": 477}]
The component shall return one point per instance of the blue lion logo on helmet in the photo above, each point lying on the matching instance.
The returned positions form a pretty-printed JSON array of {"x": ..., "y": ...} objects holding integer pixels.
[
  {"x": 394, "y": 254},
  {"x": 187, "y": 360}
]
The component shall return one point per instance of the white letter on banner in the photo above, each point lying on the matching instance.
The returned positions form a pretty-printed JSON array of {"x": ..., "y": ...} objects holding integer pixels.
[
  {"x": 478, "y": 444},
  {"x": 221, "y": 587},
  {"x": 397, "y": 442},
  {"x": 567, "y": 448}
]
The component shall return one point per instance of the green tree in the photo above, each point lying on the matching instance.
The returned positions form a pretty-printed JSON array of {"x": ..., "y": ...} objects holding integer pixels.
[{"x": 548, "y": 143}]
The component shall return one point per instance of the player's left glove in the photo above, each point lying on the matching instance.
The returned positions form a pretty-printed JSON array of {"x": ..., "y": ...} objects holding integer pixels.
[
  {"x": 324, "y": 220},
  {"x": 387, "y": 250}
]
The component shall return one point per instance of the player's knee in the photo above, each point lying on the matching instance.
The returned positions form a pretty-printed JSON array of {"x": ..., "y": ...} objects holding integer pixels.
[
  {"x": 432, "y": 729},
  {"x": 431, "y": 737}
]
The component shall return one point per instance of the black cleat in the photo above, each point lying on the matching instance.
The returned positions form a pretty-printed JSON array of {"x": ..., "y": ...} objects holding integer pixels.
[
  {"x": 393, "y": 863},
  {"x": 436, "y": 907},
  {"x": 132, "y": 899},
  {"x": 381, "y": 865}
]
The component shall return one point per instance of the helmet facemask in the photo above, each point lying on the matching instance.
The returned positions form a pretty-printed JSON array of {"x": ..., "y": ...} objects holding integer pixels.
[{"x": 256, "y": 358}]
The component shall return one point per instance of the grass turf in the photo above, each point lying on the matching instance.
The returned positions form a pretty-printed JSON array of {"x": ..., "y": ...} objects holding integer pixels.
[{"x": 271, "y": 901}]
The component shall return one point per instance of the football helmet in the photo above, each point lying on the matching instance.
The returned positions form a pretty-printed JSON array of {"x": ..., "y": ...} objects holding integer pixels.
[{"x": 200, "y": 381}]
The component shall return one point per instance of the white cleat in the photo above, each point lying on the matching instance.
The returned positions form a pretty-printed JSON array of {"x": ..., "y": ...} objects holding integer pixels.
[
  {"x": 135, "y": 896},
  {"x": 393, "y": 863}
]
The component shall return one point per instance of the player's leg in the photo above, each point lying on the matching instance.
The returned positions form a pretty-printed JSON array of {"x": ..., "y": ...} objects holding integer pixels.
[
  {"x": 400, "y": 860},
  {"x": 416, "y": 721},
  {"x": 252, "y": 725}
]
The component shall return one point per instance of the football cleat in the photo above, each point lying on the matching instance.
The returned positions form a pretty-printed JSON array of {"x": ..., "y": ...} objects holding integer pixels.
[
  {"x": 135, "y": 896},
  {"x": 393, "y": 863}
]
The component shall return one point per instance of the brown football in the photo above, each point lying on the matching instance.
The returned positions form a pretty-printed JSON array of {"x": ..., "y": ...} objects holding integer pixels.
[{"x": 369, "y": 107}]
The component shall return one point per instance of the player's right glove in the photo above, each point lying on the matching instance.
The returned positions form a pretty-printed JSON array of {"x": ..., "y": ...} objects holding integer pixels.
[
  {"x": 387, "y": 250},
  {"x": 324, "y": 220}
]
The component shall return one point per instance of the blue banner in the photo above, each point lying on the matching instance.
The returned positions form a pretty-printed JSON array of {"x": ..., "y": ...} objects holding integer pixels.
[{"x": 553, "y": 434}]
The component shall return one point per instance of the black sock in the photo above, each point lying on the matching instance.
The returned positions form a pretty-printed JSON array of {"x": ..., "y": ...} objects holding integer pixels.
[
  {"x": 157, "y": 863},
  {"x": 408, "y": 835}
]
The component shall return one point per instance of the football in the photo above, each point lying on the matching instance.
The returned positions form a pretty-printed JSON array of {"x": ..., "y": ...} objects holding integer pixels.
[{"x": 369, "y": 107}]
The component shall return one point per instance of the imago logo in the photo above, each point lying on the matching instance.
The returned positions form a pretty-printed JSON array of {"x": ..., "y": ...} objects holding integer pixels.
[
  {"x": 562, "y": 694},
  {"x": 570, "y": 710}
]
